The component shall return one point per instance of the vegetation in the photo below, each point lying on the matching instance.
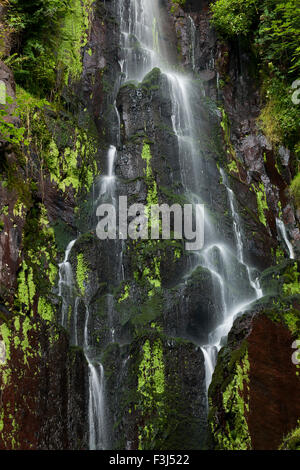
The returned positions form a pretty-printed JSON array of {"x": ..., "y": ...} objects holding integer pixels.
[{"x": 295, "y": 189}]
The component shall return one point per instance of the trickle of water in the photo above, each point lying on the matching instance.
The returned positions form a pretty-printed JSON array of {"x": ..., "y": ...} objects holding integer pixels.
[
  {"x": 210, "y": 357},
  {"x": 282, "y": 231}
]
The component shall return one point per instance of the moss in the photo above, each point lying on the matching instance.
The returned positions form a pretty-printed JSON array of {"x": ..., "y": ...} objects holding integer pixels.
[
  {"x": 26, "y": 287},
  {"x": 227, "y": 134},
  {"x": 149, "y": 311},
  {"x": 81, "y": 273},
  {"x": 279, "y": 118},
  {"x": 293, "y": 286},
  {"x": 176, "y": 4},
  {"x": 24, "y": 339},
  {"x": 147, "y": 271}
]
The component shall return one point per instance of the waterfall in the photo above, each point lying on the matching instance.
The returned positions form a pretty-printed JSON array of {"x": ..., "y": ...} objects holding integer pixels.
[
  {"x": 96, "y": 407},
  {"x": 237, "y": 227},
  {"x": 282, "y": 231},
  {"x": 97, "y": 427},
  {"x": 142, "y": 50},
  {"x": 65, "y": 284},
  {"x": 139, "y": 37}
]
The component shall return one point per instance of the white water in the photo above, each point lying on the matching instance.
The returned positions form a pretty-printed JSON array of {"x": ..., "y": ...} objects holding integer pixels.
[
  {"x": 97, "y": 426},
  {"x": 282, "y": 231},
  {"x": 221, "y": 332},
  {"x": 97, "y": 409},
  {"x": 65, "y": 284},
  {"x": 139, "y": 37},
  {"x": 193, "y": 43},
  {"x": 142, "y": 50}
]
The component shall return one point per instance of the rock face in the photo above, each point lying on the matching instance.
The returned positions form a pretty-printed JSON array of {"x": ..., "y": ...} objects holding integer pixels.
[
  {"x": 143, "y": 308},
  {"x": 255, "y": 374}
]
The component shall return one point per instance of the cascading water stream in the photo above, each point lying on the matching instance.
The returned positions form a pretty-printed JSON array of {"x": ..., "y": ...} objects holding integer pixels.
[
  {"x": 142, "y": 51},
  {"x": 105, "y": 188},
  {"x": 97, "y": 427},
  {"x": 238, "y": 236},
  {"x": 230, "y": 314},
  {"x": 193, "y": 43},
  {"x": 96, "y": 407},
  {"x": 97, "y": 421},
  {"x": 65, "y": 283}
]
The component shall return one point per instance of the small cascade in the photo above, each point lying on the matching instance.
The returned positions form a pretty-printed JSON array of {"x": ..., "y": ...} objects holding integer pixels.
[
  {"x": 110, "y": 314},
  {"x": 65, "y": 284},
  {"x": 96, "y": 372},
  {"x": 283, "y": 234},
  {"x": 238, "y": 236},
  {"x": 106, "y": 192},
  {"x": 96, "y": 409}
]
